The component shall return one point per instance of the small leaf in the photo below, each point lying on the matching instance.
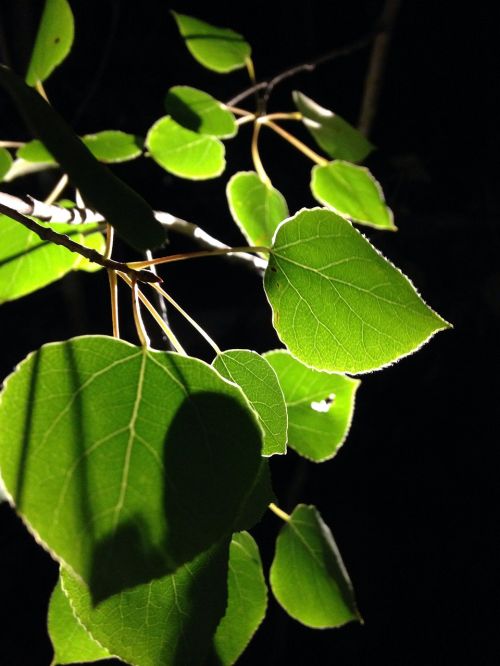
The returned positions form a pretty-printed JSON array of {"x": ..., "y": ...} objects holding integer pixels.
[
  {"x": 338, "y": 305},
  {"x": 308, "y": 577},
  {"x": 352, "y": 191},
  {"x": 256, "y": 207},
  {"x": 320, "y": 406},
  {"x": 183, "y": 152},
  {"x": 219, "y": 49},
  {"x": 71, "y": 641},
  {"x": 246, "y": 604},
  {"x": 53, "y": 41},
  {"x": 125, "y": 462},
  {"x": 123, "y": 208},
  {"x": 113, "y": 146},
  {"x": 35, "y": 151},
  {"x": 5, "y": 162},
  {"x": 332, "y": 133},
  {"x": 257, "y": 500},
  {"x": 167, "y": 621},
  {"x": 27, "y": 263},
  {"x": 20, "y": 168},
  {"x": 259, "y": 383},
  {"x": 200, "y": 112}
]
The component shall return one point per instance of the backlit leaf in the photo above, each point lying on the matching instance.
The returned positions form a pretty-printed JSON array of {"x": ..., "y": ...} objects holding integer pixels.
[
  {"x": 320, "y": 406},
  {"x": 71, "y": 641},
  {"x": 27, "y": 263},
  {"x": 199, "y": 112},
  {"x": 121, "y": 206},
  {"x": 113, "y": 146},
  {"x": 53, "y": 41},
  {"x": 256, "y": 207},
  {"x": 183, "y": 152},
  {"x": 352, "y": 191},
  {"x": 125, "y": 462},
  {"x": 219, "y": 49},
  {"x": 308, "y": 577},
  {"x": 35, "y": 151},
  {"x": 246, "y": 604},
  {"x": 259, "y": 383},
  {"x": 332, "y": 133},
  {"x": 169, "y": 621},
  {"x": 5, "y": 162},
  {"x": 338, "y": 305}
]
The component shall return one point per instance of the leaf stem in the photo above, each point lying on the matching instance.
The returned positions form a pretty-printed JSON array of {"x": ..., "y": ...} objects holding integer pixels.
[
  {"x": 237, "y": 111},
  {"x": 139, "y": 324},
  {"x": 57, "y": 190},
  {"x": 195, "y": 255},
  {"x": 245, "y": 119},
  {"x": 193, "y": 323},
  {"x": 12, "y": 144},
  {"x": 250, "y": 69},
  {"x": 290, "y": 115},
  {"x": 279, "y": 512},
  {"x": 113, "y": 283},
  {"x": 294, "y": 141},
  {"x": 259, "y": 167}
]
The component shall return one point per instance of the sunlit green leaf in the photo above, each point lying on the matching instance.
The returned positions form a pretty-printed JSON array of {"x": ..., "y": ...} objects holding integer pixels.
[
  {"x": 123, "y": 208},
  {"x": 331, "y": 132},
  {"x": 35, "y": 151},
  {"x": 256, "y": 207},
  {"x": 183, "y": 152},
  {"x": 113, "y": 146},
  {"x": 169, "y": 621},
  {"x": 27, "y": 263},
  {"x": 308, "y": 577},
  {"x": 70, "y": 640},
  {"x": 125, "y": 462},
  {"x": 199, "y": 112},
  {"x": 5, "y": 162},
  {"x": 53, "y": 41},
  {"x": 320, "y": 406},
  {"x": 219, "y": 49},
  {"x": 246, "y": 605},
  {"x": 352, "y": 191},
  {"x": 338, "y": 305},
  {"x": 259, "y": 383}
]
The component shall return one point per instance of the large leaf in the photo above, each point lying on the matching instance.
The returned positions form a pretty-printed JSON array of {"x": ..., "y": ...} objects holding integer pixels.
[
  {"x": 308, "y": 577},
  {"x": 71, "y": 641},
  {"x": 5, "y": 162},
  {"x": 53, "y": 41},
  {"x": 256, "y": 207},
  {"x": 246, "y": 604},
  {"x": 27, "y": 263},
  {"x": 123, "y": 208},
  {"x": 336, "y": 136},
  {"x": 259, "y": 383},
  {"x": 185, "y": 153},
  {"x": 320, "y": 406},
  {"x": 125, "y": 462},
  {"x": 167, "y": 622},
  {"x": 219, "y": 49},
  {"x": 352, "y": 191},
  {"x": 200, "y": 112},
  {"x": 338, "y": 305}
]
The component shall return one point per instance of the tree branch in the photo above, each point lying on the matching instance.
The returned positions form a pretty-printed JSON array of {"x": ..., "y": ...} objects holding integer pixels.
[{"x": 27, "y": 205}]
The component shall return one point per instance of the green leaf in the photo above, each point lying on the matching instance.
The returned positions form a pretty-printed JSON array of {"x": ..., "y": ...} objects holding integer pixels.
[
  {"x": 70, "y": 640},
  {"x": 352, "y": 191},
  {"x": 259, "y": 383},
  {"x": 257, "y": 500},
  {"x": 22, "y": 168},
  {"x": 320, "y": 406},
  {"x": 183, "y": 152},
  {"x": 35, "y": 151},
  {"x": 170, "y": 621},
  {"x": 331, "y": 132},
  {"x": 53, "y": 41},
  {"x": 5, "y": 162},
  {"x": 125, "y": 462},
  {"x": 27, "y": 263},
  {"x": 246, "y": 605},
  {"x": 338, "y": 305},
  {"x": 123, "y": 208},
  {"x": 113, "y": 146},
  {"x": 308, "y": 577},
  {"x": 219, "y": 49},
  {"x": 200, "y": 112},
  {"x": 256, "y": 207}
]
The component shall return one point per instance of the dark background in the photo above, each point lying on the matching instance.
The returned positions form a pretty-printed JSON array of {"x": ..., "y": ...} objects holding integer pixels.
[{"x": 411, "y": 497}]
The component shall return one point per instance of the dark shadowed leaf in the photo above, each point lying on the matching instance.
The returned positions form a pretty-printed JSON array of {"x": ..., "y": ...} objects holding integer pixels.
[{"x": 200, "y": 112}]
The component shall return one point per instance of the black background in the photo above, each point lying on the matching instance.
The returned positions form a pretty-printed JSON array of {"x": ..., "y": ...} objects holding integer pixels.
[{"x": 411, "y": 497}]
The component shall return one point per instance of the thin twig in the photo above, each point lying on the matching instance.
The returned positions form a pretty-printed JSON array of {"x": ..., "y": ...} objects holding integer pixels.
[
  {"x": 196, "y": 255},
  {"x": 314, "y": 156},
  {"x": 57, "y": 190},
  {"x": 160, "y": 303},
  {"x": 95, "y": 257}
]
